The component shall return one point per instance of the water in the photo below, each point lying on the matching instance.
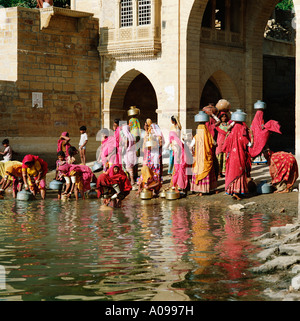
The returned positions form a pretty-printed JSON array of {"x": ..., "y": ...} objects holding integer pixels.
[{"x": 147, "y": 250}]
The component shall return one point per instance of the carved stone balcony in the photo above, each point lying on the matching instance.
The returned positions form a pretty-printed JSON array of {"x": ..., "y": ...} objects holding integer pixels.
[{"x": 130, "y": 42}]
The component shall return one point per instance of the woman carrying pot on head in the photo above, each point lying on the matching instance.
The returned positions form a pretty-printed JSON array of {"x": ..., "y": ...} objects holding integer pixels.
[
  {"x": 135, "y": 130},
  {"x": 153, "y": 142},
  {"x": 203, "y": 178},
  {"x": 238, "y": 162},
  {"x": 283, "y": 169},
  {"x": 34, "y": 170}
]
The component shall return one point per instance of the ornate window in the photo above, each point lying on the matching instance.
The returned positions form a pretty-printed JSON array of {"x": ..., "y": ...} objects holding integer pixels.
[
  {"x": 126, "y": 13},
  {"x": 144, "y": 12}
]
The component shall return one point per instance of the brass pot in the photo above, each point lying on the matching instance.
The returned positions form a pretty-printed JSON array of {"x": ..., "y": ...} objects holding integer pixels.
[
  {"x": 133, "y": 111},
  {"x": 172, "y": 195},
  {"x": 223, "y": 105},
  {"x": 146, "y": 194},
  {"x": 162, "y": 194}
]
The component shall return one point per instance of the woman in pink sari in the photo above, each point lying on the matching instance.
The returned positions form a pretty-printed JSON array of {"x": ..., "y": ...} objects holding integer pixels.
[
  {"x": 108, "y": 150},
  {"x": 237, "y": 158},
  {"x": 80, "y": 177},
  {"x": 63, "y": 143},
  {"x": 182, "y": 160},
  {"x": 129, "y": 152},
  {"x": 117, "y": 135}
]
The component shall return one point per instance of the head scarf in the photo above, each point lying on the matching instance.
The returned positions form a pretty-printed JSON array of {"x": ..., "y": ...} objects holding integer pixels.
[
  {"x": 32, "y": 159},
  {"x": 120, "y": 178},
  {"x": 130, "y": 158},
  {"x": 60, "y": 143},
  {"x": 128, "y": 135},
  {"x": 149, "y": 123},
  {"x": 173, "y": 127},
  {"x": 146, "y": 173},
  {"x": 261, "y": 135}
]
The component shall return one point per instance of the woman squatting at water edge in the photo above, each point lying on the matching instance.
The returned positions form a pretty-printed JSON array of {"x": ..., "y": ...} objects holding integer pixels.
[{"x": 223, "y": 146}]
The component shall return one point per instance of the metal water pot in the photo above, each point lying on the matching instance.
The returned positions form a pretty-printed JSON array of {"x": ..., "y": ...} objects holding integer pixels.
[
  {"x": 56, "y": 185},
  {"x": 162, "y": 194},
  {"x": 146, "y": 194},
  {"x": 239, "y": 115},
  {"x": 97, "y": 167},
  {"x": 260, "y": 105},
  {"x": 264, "y": 188},
  {"x": 133, "y": 111},
  {"x": 172, "y": 195},
  {"x": 24, "y": 196},
  {"x": 201, "y": 117}
]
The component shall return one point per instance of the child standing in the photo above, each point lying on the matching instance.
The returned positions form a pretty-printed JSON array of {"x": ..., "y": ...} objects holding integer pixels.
[
  {"x": 61, "y": 160},
  {"x": 72, "y": 153},
  {"x": 82, "y": 144},
  {"x": 7, "y": 153}
]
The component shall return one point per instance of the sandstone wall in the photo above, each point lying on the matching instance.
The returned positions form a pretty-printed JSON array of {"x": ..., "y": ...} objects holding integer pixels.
[{"x": 61, "y": 62}]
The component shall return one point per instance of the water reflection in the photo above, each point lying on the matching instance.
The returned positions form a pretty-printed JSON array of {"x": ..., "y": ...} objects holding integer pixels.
[{"x": 151, "y": 250}]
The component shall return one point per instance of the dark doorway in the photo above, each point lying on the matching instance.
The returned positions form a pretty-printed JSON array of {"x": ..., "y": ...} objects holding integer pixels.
[
  {"x": 141, "y": 93},
  {"x": 210, "y": 94}
]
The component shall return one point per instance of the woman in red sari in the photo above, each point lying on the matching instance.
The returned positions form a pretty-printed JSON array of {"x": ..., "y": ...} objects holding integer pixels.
[
  {"x": 113, "y": 185},
  {"x": 237, "y": 160},
  {"x": 261, "y": 132},
  {"x": 283, "y": 169}
]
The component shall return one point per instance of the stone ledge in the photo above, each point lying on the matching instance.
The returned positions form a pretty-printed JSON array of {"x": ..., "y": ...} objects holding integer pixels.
[{"x": 47, "y": 13}]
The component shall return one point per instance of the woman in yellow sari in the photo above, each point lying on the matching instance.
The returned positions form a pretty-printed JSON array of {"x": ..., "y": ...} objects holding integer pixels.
[
  {"x": 149, "y": 180},
  {"x": 203, "y": 178}
]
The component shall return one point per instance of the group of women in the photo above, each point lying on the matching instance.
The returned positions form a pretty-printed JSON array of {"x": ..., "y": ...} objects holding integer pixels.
[{"x": 221, "y": 147}]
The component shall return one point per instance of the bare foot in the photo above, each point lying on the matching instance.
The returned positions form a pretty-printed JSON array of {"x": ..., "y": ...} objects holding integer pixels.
[
  {"x": 236, "y": 197},
  {"x": 281, "y": 192}
]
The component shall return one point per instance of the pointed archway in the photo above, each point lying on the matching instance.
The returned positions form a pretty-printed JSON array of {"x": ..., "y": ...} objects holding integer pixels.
[{"x": 133, "y": 89}]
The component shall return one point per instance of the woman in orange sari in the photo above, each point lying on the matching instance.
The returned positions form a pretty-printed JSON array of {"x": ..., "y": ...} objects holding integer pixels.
[{"x": 204, "y": 177}]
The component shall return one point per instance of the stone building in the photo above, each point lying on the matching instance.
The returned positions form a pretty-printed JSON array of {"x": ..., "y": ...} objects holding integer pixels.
[
  {"x": 173, "y": 57},
  {"x": 91, "y": 63}
]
